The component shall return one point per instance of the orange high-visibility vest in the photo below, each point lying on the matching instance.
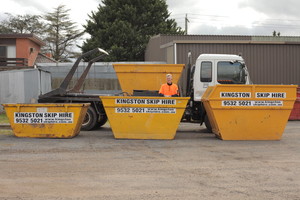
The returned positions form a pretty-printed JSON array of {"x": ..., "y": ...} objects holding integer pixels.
[{"x": 166, "y": 89}]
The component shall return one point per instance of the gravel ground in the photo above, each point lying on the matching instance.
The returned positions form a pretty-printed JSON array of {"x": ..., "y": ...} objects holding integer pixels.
[{"x": 195, "y": 165}]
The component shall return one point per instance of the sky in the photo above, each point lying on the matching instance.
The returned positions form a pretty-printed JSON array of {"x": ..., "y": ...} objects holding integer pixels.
[{"x": 213, "y": 17}]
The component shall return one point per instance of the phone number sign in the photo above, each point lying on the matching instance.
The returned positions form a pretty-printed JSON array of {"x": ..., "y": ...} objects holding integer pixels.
[
  {"x": 252, "y": 103},
  {"x": 43, "y": 118},
  {"x": 146, "y": 110}
]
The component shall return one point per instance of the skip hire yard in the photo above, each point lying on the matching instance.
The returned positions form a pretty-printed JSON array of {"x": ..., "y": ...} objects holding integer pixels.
[{"x": 195, "y": 165}]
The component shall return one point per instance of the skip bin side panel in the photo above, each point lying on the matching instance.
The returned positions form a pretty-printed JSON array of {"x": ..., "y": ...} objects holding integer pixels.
[
  {"x": 144, "y": 125},
  {"x": 145, "y": 76},
  {"x": 253, "y": 112},
  {"x": 46, "y": 130},
  {"x": 263, "y": 126},
  {"x": 208, "y": 108}
]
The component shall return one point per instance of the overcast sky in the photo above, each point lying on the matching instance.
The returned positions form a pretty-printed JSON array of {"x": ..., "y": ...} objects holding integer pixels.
[{"x": 245, "y": 17}]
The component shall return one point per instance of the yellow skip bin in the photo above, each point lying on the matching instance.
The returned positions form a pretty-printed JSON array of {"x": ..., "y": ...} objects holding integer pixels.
[
  {"x": 46, "y": 120},
  {"x": 145, "y": 76},
  {"x": 144, "y": 117},
  {"x": 249, "y": 112}
]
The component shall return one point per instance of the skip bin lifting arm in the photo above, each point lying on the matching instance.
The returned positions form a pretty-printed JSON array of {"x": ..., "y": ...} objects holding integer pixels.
[
  {"x": 68, "y": 78},
  {"x": 80, "y": 81},
  {"x": 64, "y": 85}
]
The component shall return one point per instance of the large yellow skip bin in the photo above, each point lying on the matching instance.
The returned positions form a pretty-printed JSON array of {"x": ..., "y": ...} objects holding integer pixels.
[
  {"x": 46, "y": 120},
  {"x": 249, "y": 112},
  {"x": 144, "y": 117},
  {"x": 145, "y": 76}
]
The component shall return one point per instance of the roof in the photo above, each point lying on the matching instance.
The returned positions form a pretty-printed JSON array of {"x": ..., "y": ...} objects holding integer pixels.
[
  {"x": 168, "y": 40},
  {"x": 41, "y": 58},
  {"x": 220, "y": 57},
  {"x": 31, "y": 37},
  {"x": 234, "y": 36}
]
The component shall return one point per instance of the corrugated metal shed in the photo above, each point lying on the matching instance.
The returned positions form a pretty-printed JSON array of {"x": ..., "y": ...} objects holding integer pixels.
[
  {"x": 23, "y": 86},
  {"x": 270, "y": 60}
]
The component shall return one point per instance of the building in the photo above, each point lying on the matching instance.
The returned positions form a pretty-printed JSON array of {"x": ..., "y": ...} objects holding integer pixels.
[
  {"x": 270, "y": 60},
  {"x": 19, "y": 50},
  {"x": 44, "y": 58},
  {"x": 23, "y": 86}
]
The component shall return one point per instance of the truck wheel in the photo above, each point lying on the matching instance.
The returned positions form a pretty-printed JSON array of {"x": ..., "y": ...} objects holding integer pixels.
[
  {"x": 102, "y": 119},
  {"x": 90, "y": 120},
  {"x": 207, "y": 124}
]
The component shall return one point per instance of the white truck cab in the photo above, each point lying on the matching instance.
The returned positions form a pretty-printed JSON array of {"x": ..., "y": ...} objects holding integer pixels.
[{"x": 212, "y": 69}]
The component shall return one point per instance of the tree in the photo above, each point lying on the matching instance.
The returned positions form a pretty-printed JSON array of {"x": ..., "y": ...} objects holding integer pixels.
[
  {"x": 61, "y": 33},
  {"x": 124, "y": 27},
  {"x": 27, "y": 24},
  {"x": 276, "y": 33}
]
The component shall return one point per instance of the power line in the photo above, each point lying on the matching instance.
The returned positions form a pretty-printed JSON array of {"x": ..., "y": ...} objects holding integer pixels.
[
  {"x": 200, "y": 16},
  {"x": 196, "y": 19}
]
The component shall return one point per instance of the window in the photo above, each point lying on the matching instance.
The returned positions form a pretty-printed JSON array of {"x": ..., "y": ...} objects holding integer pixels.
[
  {"x": 231, "y": 73},
  {"x": 206, "y": 71},
  {"x": 3, "y": 52}
]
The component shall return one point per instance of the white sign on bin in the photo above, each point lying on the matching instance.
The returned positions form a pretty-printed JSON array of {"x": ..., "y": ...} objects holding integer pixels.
[
  {"x": 279, "y": 95},
  {"x": 43, "y": 117},
  {"x": 146, "y": 110},
  {"x": 252, "y": 103},
  {"x": 235, "y": 94},
  {"x": 146, "y": 101}
]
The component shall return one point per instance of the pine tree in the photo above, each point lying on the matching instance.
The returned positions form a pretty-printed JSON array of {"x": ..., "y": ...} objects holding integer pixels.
[
  {"x": 61, "y": 33},
  {"x": 124, "y": 27}
]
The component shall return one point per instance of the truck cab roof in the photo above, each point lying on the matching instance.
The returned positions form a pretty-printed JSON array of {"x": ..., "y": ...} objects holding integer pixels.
[{"x": 219, "y": 57}]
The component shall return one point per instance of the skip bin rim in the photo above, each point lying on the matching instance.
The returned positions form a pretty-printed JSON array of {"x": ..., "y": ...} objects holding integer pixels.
[
  {"x": 143, "y": 97},
  {"x": 45, "y": 104}
]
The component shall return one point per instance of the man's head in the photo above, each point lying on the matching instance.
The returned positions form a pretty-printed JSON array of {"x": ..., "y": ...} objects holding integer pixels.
[{"x": 169, "y": 78}]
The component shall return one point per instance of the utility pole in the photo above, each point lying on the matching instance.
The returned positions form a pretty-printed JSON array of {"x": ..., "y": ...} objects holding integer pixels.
[{"x": 186, "y": 24}]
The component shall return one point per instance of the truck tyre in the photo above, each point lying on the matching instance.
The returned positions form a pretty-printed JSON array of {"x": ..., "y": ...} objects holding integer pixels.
[
  {"x": 207, "y": 124},
  {"x": 90, "y": 120},
  {"x": 102, "y": 119}
]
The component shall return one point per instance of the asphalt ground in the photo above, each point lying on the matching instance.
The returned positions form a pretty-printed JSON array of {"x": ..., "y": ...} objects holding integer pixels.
[{"x": 195, "y": 165}]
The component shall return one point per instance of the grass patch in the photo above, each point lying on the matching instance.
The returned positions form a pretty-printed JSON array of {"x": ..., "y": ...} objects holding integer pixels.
[
  {"x": 3, "y": 118},
  {"x": 6, "y": 132}
]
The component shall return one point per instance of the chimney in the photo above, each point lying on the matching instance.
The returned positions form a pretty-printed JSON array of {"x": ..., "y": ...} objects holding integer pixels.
[{"x": 49, "y": 54}]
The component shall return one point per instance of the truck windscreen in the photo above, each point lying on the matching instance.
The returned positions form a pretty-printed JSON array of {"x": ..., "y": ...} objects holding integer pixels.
[{"x": 231, "y": 73}]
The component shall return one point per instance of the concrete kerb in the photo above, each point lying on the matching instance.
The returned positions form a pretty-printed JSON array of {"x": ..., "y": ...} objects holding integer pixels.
[{"x": 5, "y": 126}]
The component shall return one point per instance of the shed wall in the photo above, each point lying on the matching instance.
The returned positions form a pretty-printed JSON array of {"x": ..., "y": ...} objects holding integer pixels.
[
  {"x": 267, "y": 63},
  {"x": 22, "y": 86},
  {"x": 270, "y": 60}
]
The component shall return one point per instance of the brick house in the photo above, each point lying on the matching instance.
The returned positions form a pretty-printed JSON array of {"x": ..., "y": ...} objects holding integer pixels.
[{"x": 19, "y": 50}]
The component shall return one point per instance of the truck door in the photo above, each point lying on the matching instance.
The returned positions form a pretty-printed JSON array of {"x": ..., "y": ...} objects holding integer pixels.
[{"x": 203, "y": 78}]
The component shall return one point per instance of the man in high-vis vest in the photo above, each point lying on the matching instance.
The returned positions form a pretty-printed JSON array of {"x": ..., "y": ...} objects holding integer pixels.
[{"x": 169, "y": 89}]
